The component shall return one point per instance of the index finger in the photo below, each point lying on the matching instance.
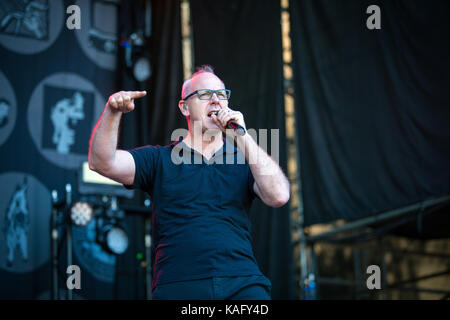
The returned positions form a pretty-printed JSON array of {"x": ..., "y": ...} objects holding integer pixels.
[{"x": 137, "y": 94}]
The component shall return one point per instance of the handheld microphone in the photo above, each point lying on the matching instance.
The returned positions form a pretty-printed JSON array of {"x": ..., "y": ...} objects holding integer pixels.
[{"x": 231, "y": 124}]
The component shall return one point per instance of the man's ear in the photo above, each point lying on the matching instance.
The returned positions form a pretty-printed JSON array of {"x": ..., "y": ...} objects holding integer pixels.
[{"x": 183, "y": 108}]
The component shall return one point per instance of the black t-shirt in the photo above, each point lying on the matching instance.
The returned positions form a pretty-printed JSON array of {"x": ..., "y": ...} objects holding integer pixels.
[{"x": 199, "y": 211}]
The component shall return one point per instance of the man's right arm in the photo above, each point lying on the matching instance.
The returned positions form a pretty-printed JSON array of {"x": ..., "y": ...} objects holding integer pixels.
[{"x": 104, "y": 157}]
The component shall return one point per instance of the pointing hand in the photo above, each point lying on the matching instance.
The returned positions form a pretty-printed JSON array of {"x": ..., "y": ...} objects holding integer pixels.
[{"x": 123, "y": 101}]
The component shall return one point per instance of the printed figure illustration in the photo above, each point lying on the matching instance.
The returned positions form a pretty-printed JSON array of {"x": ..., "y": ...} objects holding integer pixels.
[
  {"x": 65, "y": 110},
  {"x": 24, "y": 18},
  {"x": 4, "y": 111},
  {"x": 17, "y": 224}
]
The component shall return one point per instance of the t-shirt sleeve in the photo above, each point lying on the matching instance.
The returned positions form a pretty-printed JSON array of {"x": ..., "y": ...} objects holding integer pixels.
[{"x": 145, "y": 160}]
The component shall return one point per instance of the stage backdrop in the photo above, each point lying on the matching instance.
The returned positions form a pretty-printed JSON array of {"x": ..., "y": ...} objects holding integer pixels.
[
  {"x": 54, "y": 83},
  {"x": 373, "y": 106}
]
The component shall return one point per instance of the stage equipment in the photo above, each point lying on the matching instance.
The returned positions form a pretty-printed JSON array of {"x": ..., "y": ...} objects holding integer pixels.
[
  {"x": 111, "y": 234},
  {"x": 81, "y": 213},
  {"x": 92, "y": 183},
  {"x": 96, "y": 202}
]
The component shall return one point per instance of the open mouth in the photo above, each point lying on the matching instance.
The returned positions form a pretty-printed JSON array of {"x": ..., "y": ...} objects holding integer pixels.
[{"x": 213, "y": 112}]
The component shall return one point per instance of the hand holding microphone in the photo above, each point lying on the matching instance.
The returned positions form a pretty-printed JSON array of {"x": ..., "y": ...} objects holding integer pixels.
[{"x": 229, "y": 119}]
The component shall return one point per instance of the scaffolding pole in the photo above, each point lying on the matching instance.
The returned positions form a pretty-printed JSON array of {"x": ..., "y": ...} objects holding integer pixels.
[
  {"x": 293, "y": 145},
  {"x": 380, "y": 217}
]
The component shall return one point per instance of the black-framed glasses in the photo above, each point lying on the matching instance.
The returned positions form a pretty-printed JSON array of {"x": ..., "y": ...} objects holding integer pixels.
[{"x": 206, "y": 94}]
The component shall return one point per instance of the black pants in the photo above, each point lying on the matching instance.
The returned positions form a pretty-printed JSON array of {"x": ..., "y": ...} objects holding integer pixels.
[{"x": 216, "y": 288}]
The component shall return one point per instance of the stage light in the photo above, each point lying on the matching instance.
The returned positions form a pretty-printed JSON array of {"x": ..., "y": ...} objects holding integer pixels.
[
  {"x": 117, "y": 240},
  {"x": 81, "y": 213},
  {"x": 137, "y": 56},
  {"x": 112, "y": 236},
  {"x": 142, "y": 69}
]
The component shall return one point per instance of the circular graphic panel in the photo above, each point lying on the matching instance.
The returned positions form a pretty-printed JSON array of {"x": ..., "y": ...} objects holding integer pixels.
[
  {"x": 25, "y": 209},
  {"x": 29, "y": 27},
  {"x": 99, "y": 263},
  {"x": 98, "y": 34},
  {"x": 8, "y": 108},
  {"x": 62, "y": 112}
]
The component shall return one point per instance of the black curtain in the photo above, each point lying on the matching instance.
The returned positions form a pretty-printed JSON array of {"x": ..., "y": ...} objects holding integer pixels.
[
  {"x": 242, "y": 41},
  {"x": 373, "y": 106},
  {"x": 156, "y": 115},
  {"x": 168, "y": 72},
  {"x": 154, "y": 118}
]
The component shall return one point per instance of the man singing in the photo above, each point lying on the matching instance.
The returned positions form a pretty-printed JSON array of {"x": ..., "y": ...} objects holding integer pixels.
[{"x": 200, "y": 205}]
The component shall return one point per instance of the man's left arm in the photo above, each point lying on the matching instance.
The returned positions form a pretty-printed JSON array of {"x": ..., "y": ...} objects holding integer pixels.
[{"x": 271, "y": 184}]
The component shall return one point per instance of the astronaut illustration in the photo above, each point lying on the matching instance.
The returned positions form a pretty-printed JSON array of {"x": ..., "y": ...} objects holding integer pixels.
[
  {"x": 17, "y": 223},
  {"x": 64, "y": 111}
]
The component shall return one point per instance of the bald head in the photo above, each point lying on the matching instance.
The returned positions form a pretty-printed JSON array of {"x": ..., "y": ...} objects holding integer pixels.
[{"x": 188, "y": 85}]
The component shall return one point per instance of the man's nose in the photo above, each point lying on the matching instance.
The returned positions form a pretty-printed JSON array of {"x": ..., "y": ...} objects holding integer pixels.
[{"x": 214, "y": 97}]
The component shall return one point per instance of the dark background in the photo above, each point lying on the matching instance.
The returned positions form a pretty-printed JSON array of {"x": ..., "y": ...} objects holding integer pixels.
[{"x": 372, "y": 113}]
